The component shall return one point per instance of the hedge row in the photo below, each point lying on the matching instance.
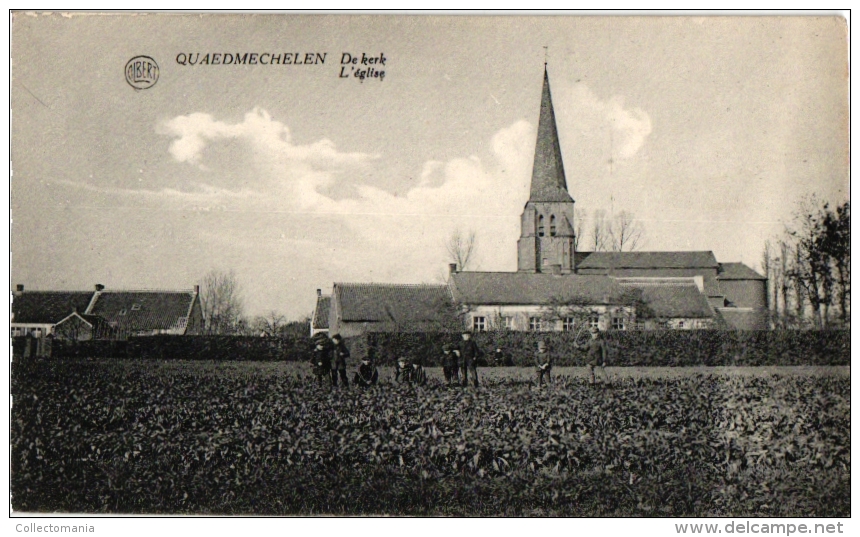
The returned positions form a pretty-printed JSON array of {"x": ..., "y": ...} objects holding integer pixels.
[
  {"x": 630, "y": 348},
  {"x": 633, "y": 348}
]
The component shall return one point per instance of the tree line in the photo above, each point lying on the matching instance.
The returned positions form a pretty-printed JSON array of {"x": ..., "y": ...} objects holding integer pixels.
[
  {"x": 224, "y": 311},
  {"x": 809, "y": 268}
]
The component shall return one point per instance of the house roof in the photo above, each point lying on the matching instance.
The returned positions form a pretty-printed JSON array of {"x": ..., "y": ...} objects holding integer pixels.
[
  {"x": 648, "y": 260},
  {"x": 48, "y": 307},
  {"x": 680, "y": 301},
  {"x": 390, "y": 303},
  {"x": 737, "y": 271},
  {"x": 132, "y": 311},
  {"x": 321, "y": 311},
  {"x": 524, "y": 288}
]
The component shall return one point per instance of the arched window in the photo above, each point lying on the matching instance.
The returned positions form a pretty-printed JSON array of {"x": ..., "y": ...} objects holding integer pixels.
[
  {"x": 552, "y": 225},
  {"x": 540, "y": 226}
]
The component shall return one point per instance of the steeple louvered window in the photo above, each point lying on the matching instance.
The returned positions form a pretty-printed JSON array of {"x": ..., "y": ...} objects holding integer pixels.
[
  {"x": 540, "y": 226},
  {"x": 552, "y": 225}
]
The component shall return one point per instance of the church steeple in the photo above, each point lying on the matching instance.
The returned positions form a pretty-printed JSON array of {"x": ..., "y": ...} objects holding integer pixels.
[
  {"x": 547, "y": 241},
  {"x": 548, "y": 181}
]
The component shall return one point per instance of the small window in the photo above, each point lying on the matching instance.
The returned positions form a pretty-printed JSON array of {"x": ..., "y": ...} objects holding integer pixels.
[
  {"x": 567, "y": 324},
  {"x": 681, "y": 324},
  {"x": 618, "y": 323},
  {"x": 479, "y": 324},
  {"x": 123, "y": 311},
  {"x": 509, "y": 322},
  {"x": 545, "y": 261},
  {"x": 540, "y": 226},
  {"x": 535, "y": 324},
  {"x": 135, "y": 307},
  {"x": 594, "y": 321},
  {"x": 552, "y": 225}
]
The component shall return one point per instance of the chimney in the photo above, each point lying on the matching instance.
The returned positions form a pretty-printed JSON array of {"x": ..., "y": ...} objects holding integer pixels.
[
  {"x": 319, "y": 292},
  {"x": 452, "y": 268},
  {"x": 556, "y": 269},
  {"x": 99, "y": 287},
  {"x": 196, "y": 289}
]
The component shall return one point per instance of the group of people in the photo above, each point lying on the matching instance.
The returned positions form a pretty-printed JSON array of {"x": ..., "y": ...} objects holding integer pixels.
[
  {"x": 329, "y": 358},
  {"x": 459, "y": 362}
]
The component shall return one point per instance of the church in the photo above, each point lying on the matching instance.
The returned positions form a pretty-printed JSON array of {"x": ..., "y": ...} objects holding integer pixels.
[{"x": 555, "y": 286}]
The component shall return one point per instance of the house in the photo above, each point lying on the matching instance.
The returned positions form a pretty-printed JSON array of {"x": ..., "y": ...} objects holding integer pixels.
[
  {"x": 357, "y": 308},
  {"x": 37, "y": 312},
  {"x": 106, "y": 314},
  {"x": 557, "y": 287},
  {"x": 319, "y": 319}
]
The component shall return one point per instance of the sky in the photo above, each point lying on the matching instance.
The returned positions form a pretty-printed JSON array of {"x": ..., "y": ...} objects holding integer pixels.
[{"x": 708, "y": 130}]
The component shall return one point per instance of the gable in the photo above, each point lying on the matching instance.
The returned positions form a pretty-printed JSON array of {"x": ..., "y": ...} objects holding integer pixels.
[{"x": 321, "y": 313}]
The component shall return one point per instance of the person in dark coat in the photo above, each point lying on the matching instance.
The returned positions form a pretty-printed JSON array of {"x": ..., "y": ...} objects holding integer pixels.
[
  {"x": 543, "y": 363},
  {"x": 367, "y": 374},
  {"x": 341, "y": 355},
  {"x": 321, "y": 357},
  {"x": 598, "y": 352},
  {"x": 469, "y": 354},
  {"x": 451, "y": 364}
]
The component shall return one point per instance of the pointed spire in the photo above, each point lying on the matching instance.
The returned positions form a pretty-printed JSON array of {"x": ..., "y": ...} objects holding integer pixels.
[{"x": 548, "y": 181}]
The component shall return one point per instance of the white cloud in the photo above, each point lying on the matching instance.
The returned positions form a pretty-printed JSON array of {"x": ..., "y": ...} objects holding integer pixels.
[
  {"x": 625, "y": 128},
  {"x": 376, "y": 231}
]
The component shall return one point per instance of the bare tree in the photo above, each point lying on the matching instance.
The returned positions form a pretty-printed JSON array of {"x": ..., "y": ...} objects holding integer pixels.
[
  {"x": 578, "y": 228},
  {"x": 461, "y": 249},
  {"x": 222, "y": 304},
  {"x": 271, "y": 324},
  {"x": 625, "y": 232},
  {"x": 599, "y": 231}
]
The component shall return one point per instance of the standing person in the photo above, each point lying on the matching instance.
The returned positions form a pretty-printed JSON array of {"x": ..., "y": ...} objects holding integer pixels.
[
  {"x": 543, "y": 363},
  {"x": 598, "y": 351},
  {"x": 321, "y": 357},
  {"x": 451, "y": 364},
  {"x": 341, "y": 354},
  {"x": 469, "y": 353}
]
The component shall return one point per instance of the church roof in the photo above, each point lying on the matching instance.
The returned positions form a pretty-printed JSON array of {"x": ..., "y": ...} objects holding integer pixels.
[
  {"x": 737, "y": 271},
  {"x": 548, "y": 181},
  {"x": 390, "y": 303},
  {"x": 648, "y": 260},
  {"x": 528, "y": 288}
]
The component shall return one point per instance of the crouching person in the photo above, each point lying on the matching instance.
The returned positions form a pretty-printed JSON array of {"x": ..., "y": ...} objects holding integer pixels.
[
  {"x": 367, "y": 374},
  {"x": 543, "y": 363}
]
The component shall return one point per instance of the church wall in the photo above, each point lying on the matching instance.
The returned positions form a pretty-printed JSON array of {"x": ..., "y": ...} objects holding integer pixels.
[{"x": 745, "y": 293}]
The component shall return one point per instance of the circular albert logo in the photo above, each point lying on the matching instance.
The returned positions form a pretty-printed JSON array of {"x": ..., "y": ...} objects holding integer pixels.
[{"x": 141, "y": 72}]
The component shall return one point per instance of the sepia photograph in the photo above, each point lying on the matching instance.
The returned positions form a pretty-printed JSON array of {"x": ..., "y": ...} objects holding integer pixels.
[{"x": 427, "y": 265}]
